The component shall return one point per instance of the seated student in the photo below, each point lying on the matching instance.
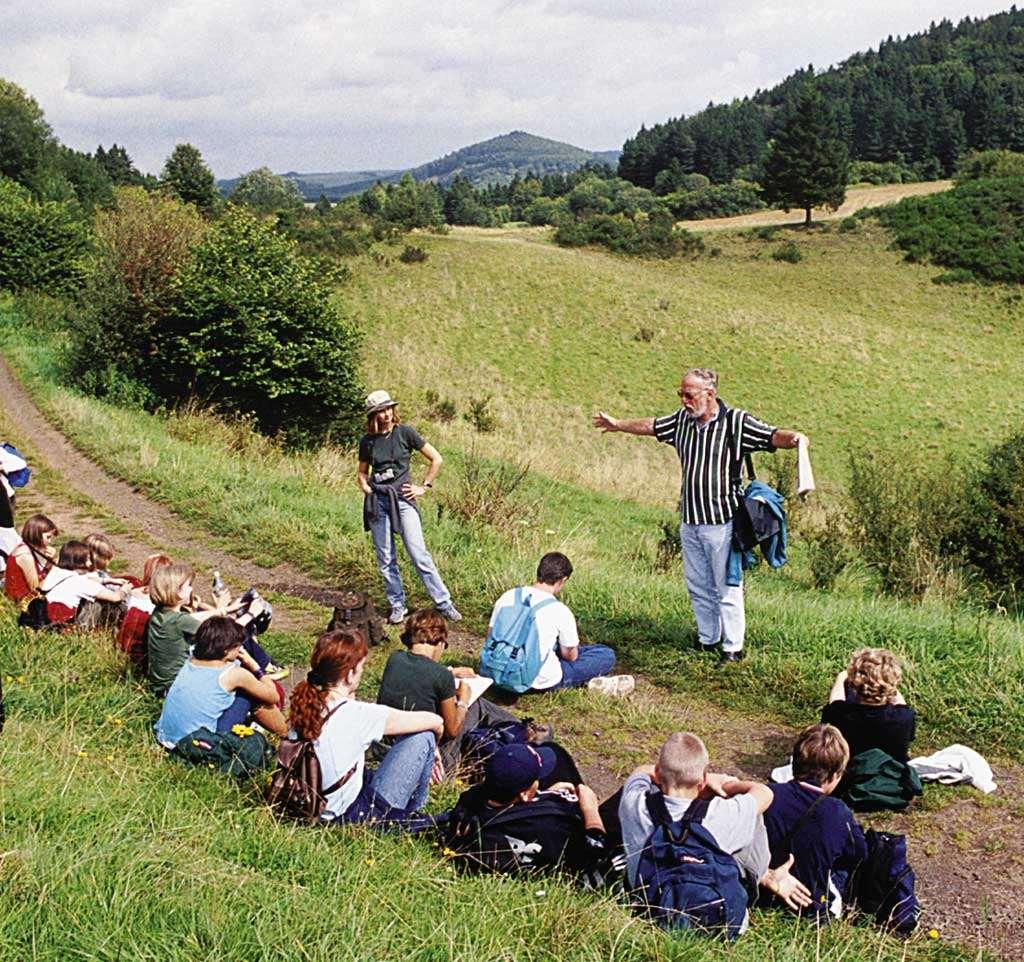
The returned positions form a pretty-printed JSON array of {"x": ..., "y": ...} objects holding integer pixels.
[
  {"x": 509, "y": 824},
  {"x": 219, "y": 686},
  {"x": 171, "y": 627},
  {"x": 735, "y": 807},
  {"x": 865, "y": 704},
  {"x": 818, "y": 831},
  {"x": 413, "y": 680},
  {"x": 566, "y": 663},
  {"x": 324, "y": 710},
  {"x": 30, "y": 559},
  {"x": 131, "y": 638},
  {"x": 102, "y": 551},
  {"x": 72, "y": 582}
]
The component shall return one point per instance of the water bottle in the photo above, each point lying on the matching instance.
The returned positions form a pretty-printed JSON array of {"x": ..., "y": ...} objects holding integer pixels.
[{"x": 218, "y": 584}]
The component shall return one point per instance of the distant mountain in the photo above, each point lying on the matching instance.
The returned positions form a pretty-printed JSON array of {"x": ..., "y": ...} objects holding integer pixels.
[{"x": 494, "y": 161}]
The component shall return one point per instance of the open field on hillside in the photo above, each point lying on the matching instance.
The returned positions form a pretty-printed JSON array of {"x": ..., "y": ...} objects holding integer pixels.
[
  {"x": 852, "y": 345},
  {"x": 857, "y": 198}
]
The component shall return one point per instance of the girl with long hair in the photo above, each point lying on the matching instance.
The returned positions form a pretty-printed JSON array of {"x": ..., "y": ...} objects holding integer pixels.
[
  {"x": 324, "y": 710},
  {"x": 31, "y": 559}
]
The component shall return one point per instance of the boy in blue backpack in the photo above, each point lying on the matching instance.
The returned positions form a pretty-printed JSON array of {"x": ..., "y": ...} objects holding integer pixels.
[
  {"x": 533, "y": 645},
  {"x": 807, "y": 824},
  {"x": 729, "y": 812}
]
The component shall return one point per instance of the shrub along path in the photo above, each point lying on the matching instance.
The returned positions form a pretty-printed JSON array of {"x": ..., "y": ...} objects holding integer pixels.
[{"x": 968, "y": 850}]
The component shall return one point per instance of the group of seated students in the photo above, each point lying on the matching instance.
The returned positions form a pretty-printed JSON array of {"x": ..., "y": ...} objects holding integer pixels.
[{"x": 531, "y": 809}]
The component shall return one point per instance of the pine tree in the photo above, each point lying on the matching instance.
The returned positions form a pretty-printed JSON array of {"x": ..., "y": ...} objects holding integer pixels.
[
  {"x": 190, "y": 180},
  {"x": 808, "y": 163}
]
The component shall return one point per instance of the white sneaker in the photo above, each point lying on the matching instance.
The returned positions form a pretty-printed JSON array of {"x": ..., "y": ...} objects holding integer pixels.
[
  {"x": 397, "y": 615},
  {"x": 614, "y": 685}
]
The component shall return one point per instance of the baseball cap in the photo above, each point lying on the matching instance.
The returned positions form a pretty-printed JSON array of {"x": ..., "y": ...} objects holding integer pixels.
[{"x": 514, "y": 768}]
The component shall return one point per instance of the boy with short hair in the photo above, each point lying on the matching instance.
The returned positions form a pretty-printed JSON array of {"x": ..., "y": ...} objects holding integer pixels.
[{"x": 819, "y": 831}]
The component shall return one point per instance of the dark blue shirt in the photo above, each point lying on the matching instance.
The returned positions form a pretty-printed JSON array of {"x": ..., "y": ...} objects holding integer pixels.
[{"x": 828, "y": 842}]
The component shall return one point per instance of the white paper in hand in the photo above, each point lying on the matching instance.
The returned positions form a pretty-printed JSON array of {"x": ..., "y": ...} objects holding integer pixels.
[{"x": 804, "y": 474}]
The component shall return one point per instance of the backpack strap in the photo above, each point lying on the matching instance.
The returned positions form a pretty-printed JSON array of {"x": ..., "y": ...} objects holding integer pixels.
[
  {"x": 659, "y": 813},
  {"x": 344, "y": 778},
  {"x": 801, "y": 821}
]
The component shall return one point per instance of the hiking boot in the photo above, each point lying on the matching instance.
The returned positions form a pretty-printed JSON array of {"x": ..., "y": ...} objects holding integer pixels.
[
  {"x": 450, "y": 611},
  {"x": 614, "y": 685},
  {"x": 398, "y": 613},
  {"x": 729, "y": 657}
]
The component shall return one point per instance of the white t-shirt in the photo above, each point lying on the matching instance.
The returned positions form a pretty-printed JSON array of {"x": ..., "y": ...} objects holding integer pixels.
[
  {"x": 69, "y": 588},
  {"x": 556, "y": 627},
  {"x": 732, "y": 822},
  {"x": 9, "y": 538},
  {"x": 342, "y": 744}
]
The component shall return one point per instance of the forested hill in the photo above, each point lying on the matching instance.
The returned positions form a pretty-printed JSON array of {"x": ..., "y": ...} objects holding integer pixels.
[
  {"x": 494, "y": 161},
  {"x": 920, "y": 101}
]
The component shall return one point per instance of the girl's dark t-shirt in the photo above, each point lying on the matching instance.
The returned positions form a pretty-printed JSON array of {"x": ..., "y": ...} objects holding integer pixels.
[
  {"x": 888, "y": 727},
  {"x": 391, "y": 451},
  {"x": 415, "y": 683}
]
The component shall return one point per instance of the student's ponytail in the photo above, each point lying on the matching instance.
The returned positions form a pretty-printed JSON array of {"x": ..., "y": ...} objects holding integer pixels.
[{"x": 335, "y": 654}]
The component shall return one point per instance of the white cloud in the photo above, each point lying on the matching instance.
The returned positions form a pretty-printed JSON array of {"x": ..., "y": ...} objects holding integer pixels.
[{"x": 334, "y": 84}]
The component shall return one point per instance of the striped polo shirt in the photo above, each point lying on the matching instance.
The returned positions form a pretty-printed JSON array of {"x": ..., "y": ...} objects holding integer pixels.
[{"x": 707, "y": 454}]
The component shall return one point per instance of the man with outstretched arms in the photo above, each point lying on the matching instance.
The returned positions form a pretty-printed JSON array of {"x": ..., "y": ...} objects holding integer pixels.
[{"x": 711, "y": 440}]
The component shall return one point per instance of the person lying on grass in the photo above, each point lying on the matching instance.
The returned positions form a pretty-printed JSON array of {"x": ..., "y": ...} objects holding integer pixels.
[
  {"x": 30, "y": 559},
  {"x": 218, "y": 687},
  {"x": 866, "y": 705},
  {"x": 72, "y": 581},
  {"x": 819, "y": 832},
  {"x": 172, "y": 625},
  {"x": 733, "y": 816},
  {"x": 413, "y": 680},
  {"x": 325, "y": 711},
  {"x": 510, "y": 824}
]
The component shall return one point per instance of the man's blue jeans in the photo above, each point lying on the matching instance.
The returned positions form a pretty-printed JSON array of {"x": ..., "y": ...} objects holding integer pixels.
[
  {"x": 387, "y": 557},
  {"x": 718, "y": 607},
  {"x": 591, "y": 661}
]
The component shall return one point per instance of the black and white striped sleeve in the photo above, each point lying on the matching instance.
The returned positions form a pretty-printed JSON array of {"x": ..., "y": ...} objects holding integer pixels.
[
  {"x": 666, "y": 428},
  {"x": 756, "y": 435}
]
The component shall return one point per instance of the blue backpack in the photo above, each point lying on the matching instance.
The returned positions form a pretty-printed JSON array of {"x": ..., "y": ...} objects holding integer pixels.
[
  {"x": 685, "y": 880},
  {"x": 19, "y": 478},
  {"x": 511, "y": 654}
]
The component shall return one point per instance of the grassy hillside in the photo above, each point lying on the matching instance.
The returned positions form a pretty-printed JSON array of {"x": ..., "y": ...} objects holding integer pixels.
[
  {"x": 822, "y": 345},
  {"x": 851, "y": 345}
]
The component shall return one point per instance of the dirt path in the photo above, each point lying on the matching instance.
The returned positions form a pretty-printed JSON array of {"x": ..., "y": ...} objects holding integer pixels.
[
  {"x": 857, "y": 198},
  {"x": 967, "y": 849}
]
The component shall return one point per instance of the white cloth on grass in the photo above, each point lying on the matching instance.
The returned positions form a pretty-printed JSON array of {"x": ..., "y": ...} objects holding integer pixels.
[{"x": 956, "y": 765}]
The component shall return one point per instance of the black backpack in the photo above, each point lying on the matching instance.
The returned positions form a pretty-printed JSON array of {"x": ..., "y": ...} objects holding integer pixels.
[
  {"x": 685, "y": 880},
  {"x": 296, "y": 790},
  {"x": 354, "y": 609},
  {"x": 883, "y": 884}
]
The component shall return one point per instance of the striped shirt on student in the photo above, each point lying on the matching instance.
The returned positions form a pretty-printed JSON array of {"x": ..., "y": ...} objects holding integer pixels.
[{"x": 708, "y": 454}]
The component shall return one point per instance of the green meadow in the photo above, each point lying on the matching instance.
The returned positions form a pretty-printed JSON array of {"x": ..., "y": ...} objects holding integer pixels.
[{"x": 851, "y": 345}]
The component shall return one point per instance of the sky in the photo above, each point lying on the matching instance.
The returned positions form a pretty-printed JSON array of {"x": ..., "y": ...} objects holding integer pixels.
[{"x": 327, "y": 85}]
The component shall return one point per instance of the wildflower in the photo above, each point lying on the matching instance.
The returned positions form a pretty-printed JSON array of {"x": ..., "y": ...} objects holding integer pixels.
[
  {"x": 243, "y": 731},
  {"x": 83, "y": 753},
  {"x": 21, "y": 679},
  {"x": 933, "y": 934},
  {"x": 540, "y": 893},
  {"x": 448, "y": 852},
  {"x": 110, "y": 758},
  {"x": 8, "y": 678},
  {"x": 371, "y": 861},
  {"x": 550, "y": 531}
]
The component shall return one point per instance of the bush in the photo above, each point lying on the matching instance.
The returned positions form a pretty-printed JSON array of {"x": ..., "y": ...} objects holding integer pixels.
[
  {"x": 480, "y": 414},
  {"x": 906, "y": 518},
  {"x": 669, "y": 549},
  {"x": 715, "y": 200},
  {"x": 981, "y": 164},
  {"x": 140, "y": 243},
  {"x": 251, "y": 328},
  {"x": 41, "y": 242},
  {"x": 787, "y": 252},
  {"x": 489, "y": 492},
  {"x": 413, "y": 255},
  {"x": 438, "y": 408},
  {"x": 977, "y": 228},
  {"x": 992, "y": 531},
  {"x": 872, "y": 172},
  {"x": 653, "y": 236},
  {"x": 828, "y": 549}
]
